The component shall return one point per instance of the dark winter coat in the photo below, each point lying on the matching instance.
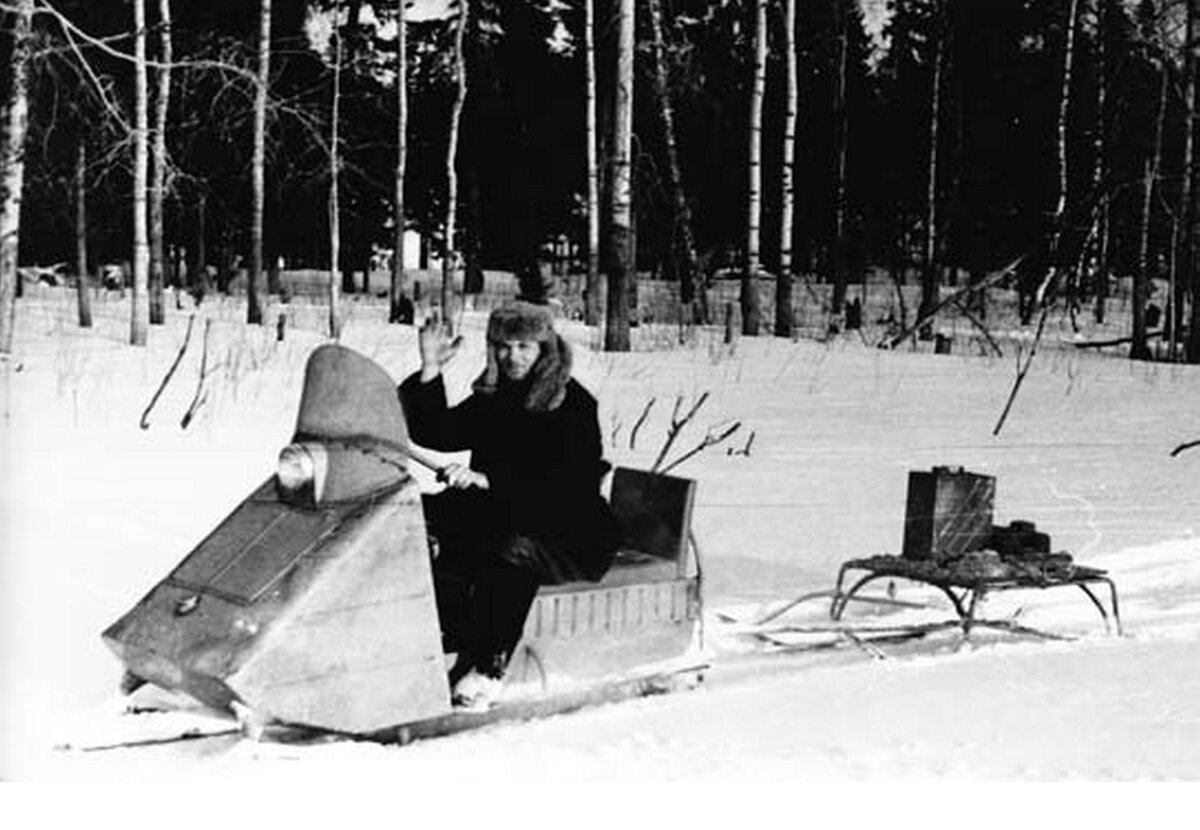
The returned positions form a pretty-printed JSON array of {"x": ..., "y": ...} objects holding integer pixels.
[{"x": 544, "y": 469}]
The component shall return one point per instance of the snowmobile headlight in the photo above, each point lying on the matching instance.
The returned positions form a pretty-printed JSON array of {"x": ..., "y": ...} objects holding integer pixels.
[{"x": 302, "y": 470}]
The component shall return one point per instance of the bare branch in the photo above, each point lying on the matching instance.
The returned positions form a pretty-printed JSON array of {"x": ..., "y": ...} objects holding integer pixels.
[
  {"x": 710, "y": 439},
  {"x": 1185, "y": 446},
  {"x": 145, "y": 421},
  {"x": 638, "y": 424},
  {"x": 1115, "y": 341},
  {"x": 101, "y": 91},
  {"x": 677, "y": 425},
  {"x": 953, "y": 298},
  {"x": 200, "y": 397},
  {"x": 45, "y": 7},
  {"x": 1022, "y": 370},
  {"x": 982, "y": 328}
]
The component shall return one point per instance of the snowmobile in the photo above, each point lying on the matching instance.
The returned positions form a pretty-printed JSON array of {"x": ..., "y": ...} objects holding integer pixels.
[{"x": 311, "y": 606}]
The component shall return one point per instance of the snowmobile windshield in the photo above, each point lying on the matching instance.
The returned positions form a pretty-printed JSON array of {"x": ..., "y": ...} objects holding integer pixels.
[{"x": 349, "y": 397}]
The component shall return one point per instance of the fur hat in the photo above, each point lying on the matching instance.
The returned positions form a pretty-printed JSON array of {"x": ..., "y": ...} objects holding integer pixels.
[{"x": 520, "y": 320}]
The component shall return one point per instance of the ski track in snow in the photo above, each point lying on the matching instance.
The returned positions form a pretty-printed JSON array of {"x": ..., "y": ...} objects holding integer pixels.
[{"x": 96, "y": 510}]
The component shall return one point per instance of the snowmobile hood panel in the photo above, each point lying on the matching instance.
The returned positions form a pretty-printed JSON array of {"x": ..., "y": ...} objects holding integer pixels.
[
  {"x": 349, "y": 397},
  {"x": 318, "y": 617},
  {"x": 256, "y": 546}
]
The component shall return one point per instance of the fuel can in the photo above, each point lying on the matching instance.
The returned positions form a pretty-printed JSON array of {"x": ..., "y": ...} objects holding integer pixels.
[{"x": 948, "y": 513}]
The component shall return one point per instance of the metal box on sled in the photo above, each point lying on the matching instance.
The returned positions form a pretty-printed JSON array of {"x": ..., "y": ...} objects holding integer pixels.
[
  {"x": 949, "y": 512},
  {"x": 312, "y": 602}
]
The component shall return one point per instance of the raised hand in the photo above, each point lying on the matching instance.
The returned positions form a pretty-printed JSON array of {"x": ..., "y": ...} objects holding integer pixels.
[{"x": 436, "y": 346}]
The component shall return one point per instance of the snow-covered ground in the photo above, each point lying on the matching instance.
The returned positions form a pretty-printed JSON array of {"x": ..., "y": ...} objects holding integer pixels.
[{"x": 96, "y": 509}]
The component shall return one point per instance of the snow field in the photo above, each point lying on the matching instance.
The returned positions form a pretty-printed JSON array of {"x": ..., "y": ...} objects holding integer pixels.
[{"x": 96, "y": 509}]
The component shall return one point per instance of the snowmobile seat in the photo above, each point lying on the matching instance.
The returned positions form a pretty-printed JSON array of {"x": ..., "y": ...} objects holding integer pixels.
[
  {"x": 644, "y": 612},
  {"x": 654, "y": 512}
]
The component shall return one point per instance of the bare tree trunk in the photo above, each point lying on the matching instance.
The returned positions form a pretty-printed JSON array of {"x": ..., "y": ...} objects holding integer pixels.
[
  {"x": 591, "y": 293},
  {"x": 473, "y": 280},
  {"x": 12, "y": 167},
  {"x": 335, "y": 226},
  {"x": 199, "y": 279},
  {"x": 140, "y": 313},
  {"x": 449, "y": 248},
  {"x": 1037, "y": 288},
  {"x": 929, "y": 275},
  {"x": 1100, "y": 163},
  {"x": 683, "y": 243},
  {"x": 751, "y": 312},
  {"x": 158, "y": 171},
  {"x": 1170, "y": 334},
  {"x": 842, "y": 130},
  {"x": 1138, "y": 348},
  {"x": 81, "y": 254},
  {"x": 1182, "y": 253},
  {"x": 1188, "y": 209},
  {"x": 622, "y": 278},
  {"x": 785, "y": 315},
  {"x": 396, "y": 299},
  {"x": 1060, "y": 150},
  {"x": 254, "y": 312}
]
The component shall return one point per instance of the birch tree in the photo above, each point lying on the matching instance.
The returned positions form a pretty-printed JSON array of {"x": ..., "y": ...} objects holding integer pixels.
[
  {"x": 591, "y": 294},
  {"x": 1191, "y": 234},
  {"x": 785, "y": 316},
  {"x": 254, "y": 312},
  {"x": 622, "y": 277},
  {"x": 1184, "y": 248},
  {"x": 683, "y": 244},
  {"x": 1138, "y": 348},
  {"x": 1060, "y": 147},
  {"x": 929, "y": 275},
  {"x": 140, "y": 305},
  {"x": 396, "y": 305},
  {"x": 449, "y": 250},
  {"x": 841, "y": 123},
  {"x": 15, "y": 116},
  {"x": 749, "y": 296},
  {"x": 335, "y": 227},
  {"x": 1103, "y": 15},
  {"x": 158, "y": 171}
]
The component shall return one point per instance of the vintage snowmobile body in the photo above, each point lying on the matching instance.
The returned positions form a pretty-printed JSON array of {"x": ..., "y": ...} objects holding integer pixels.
[{"x": 312, "y": 603}]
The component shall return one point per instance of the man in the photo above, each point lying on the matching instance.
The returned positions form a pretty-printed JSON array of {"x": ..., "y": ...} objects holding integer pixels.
[{"x": 527, "y": 509}]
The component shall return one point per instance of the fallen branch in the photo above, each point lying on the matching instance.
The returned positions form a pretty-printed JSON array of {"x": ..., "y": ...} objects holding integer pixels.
[
  {"x": 1185, "y": 446},
  {"x": 953, "y": 298},
  {"x": 982, "y": 328},
  {"x": 144, "y": 423},
  {"x": 200, "y": 397},
  {"x": 1022, "y": 371},
  {"x": 1116, "y": 341}
]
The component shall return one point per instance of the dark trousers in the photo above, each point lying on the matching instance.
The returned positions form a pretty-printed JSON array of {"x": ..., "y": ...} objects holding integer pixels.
[
  {"x": 482, "y": 606},
  {"x": 482, "y": 580}
]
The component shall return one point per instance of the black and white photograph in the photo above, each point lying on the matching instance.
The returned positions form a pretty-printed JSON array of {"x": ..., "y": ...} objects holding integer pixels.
[{"x": 484, "y": 399}]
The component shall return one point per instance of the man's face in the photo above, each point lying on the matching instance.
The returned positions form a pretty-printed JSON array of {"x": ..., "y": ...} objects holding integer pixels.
[{"x": 516, "y": 357}]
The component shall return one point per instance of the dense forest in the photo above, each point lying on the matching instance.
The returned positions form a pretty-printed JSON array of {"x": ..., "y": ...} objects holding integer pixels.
[{"x": 1045, "y": 145}]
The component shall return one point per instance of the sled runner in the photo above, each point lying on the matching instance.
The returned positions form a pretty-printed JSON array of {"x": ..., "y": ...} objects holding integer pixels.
[{"x": 311, "y": 605}]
